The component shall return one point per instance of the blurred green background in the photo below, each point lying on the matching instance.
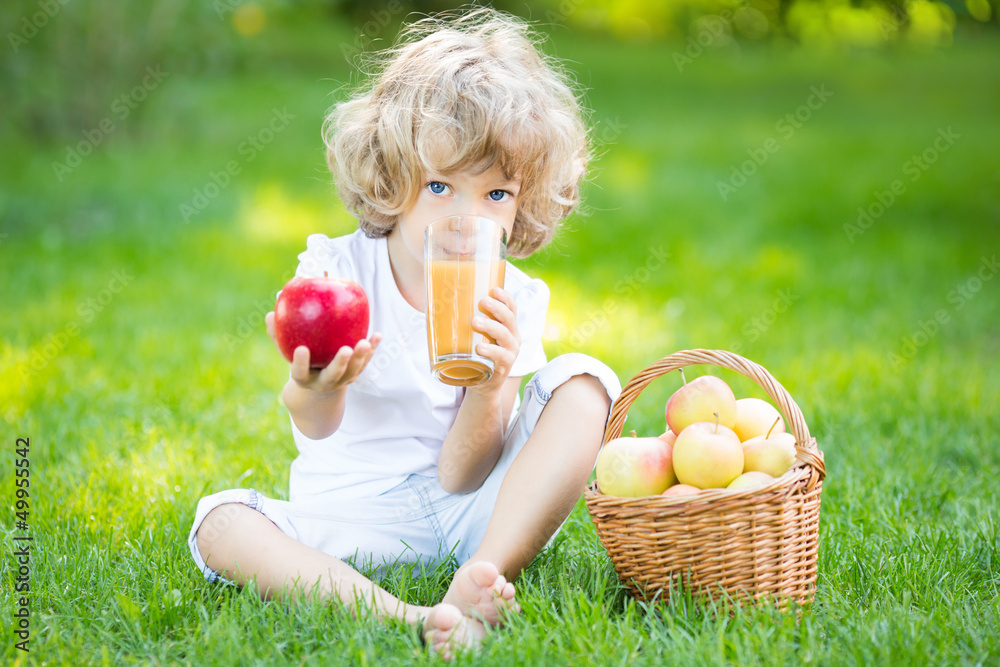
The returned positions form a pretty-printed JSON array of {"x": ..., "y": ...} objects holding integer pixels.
[
  {"x": 813, "y": 184},
  {"x": 69, "y": 59}
]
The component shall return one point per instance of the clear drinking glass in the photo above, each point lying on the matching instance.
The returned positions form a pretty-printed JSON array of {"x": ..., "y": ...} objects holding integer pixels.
[{"x": 465, "y": 257}]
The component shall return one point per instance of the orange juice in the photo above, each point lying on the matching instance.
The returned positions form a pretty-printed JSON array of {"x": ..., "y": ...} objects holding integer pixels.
[{"x": 454, "y": 289}]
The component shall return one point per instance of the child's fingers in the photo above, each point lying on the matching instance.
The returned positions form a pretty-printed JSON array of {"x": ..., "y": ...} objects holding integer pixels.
[
  {"x": 503, "y": 296},
  {"x": 300, "y": 365},
  {"x": 343, "y": 369},
  {"x": 502, "y": 358},
  {"x": 501, "y": 346},
  {"x": 334, "y": 371},
  {"x": 501, "y": 312},
  {"x": 269, "y": 324},
  {"x": 498, "y": 332},
  {"x": 362, "y": 353}
]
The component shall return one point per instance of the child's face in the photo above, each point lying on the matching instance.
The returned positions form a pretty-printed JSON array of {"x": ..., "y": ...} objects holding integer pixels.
[{"x": 465, "y": 192}]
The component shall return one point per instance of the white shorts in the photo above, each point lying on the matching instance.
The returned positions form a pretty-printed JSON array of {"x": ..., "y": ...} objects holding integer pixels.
[{"x": 416, "y": 521}]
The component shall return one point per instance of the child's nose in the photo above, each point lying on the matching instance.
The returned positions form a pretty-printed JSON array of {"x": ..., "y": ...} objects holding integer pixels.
[{"x": 478, "y": 208}]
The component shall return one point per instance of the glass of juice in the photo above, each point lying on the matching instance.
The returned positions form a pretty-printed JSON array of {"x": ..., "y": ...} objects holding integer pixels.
[{"x": 464, "y": 257}]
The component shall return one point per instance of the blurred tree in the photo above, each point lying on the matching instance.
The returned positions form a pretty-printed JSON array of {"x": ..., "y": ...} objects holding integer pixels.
[
  {"x": 67, "y": 66},
  {"x": 66, "y": 61},
  {"x": 812, "y": 22}
]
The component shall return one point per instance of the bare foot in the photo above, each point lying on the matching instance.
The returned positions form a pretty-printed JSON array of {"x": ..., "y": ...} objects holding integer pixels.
[
  {"x": 481, "y": 592},
  {"x": 446, "y": 630}
]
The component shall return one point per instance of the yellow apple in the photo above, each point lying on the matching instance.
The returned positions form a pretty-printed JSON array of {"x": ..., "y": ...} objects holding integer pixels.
[
  {"x": 704, "y": 399},
  {"x": 633, "y": 467},
  {"x": 773, "y": 455},
  {"x": 755, "y": 417},
  {"x": 707, "y": 455},
  {"x": 750, "y": 479},
  {"x": 669, "y": 437}
]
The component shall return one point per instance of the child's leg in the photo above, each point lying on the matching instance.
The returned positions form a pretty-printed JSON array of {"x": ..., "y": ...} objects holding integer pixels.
[
  {"x": 541, "y": 487},
  {"x": 246, "y": 546},
  {"x": 251, "y": 547}
]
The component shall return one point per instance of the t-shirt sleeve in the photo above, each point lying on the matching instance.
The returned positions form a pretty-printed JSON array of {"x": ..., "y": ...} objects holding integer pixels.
[
  {"x": 532, "y": 304},
  {"x": 324, "y": 255}
]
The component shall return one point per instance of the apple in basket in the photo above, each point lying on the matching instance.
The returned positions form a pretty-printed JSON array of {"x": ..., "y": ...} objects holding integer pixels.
[
  {"x": 632, "y": 467},
  {"x": 324, "y": 314},
  {"x": 750, "y": 479},
  {"x": 704, "y": 399},
  {"x": 755, "y": 417},
  {"x": 773, "y": 453},
  {"x": 708, "y": 455},
  {"x": 681, "y": 490}
]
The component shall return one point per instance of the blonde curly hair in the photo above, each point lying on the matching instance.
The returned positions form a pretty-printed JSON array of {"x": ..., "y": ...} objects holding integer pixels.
[{"x": 457, "y": 92}]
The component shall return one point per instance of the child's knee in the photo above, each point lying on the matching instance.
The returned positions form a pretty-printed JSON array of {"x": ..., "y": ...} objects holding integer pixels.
[
  {"x": 587, "y": 393},
  {"x": 222, "y": 521}
]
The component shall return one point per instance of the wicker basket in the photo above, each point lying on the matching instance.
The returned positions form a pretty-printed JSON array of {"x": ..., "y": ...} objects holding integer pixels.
[{"x": 759, "y": 543}]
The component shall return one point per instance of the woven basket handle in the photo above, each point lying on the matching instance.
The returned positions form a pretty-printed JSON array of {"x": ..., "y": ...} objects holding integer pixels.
[{"x": 807, "y": 450}]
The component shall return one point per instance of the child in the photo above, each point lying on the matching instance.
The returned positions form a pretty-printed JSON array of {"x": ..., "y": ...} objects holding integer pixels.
[{"x": 465, "y": 117}]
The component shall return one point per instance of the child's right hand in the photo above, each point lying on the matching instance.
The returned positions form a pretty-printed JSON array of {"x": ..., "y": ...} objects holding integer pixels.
[{"x": 342, "y": 371}]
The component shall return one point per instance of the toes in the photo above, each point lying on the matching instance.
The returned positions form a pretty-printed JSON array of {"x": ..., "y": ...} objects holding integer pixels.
[
  {"x": 444, "y": 617},
  {"x": 447, "y": 631},
  {"x": 440, "y": 628},
  {"x": 504, "y": 603},
  {"x": 498, "y": 586},
  {"x": 440, "y": 645},
  {"x": 484, "y": 574},
  {"x": 503, "y": 590},
  {"x": 482, "y": 593}
]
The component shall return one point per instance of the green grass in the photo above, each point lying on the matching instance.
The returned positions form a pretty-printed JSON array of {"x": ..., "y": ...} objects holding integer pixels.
[{"x": 170, "y": 390}]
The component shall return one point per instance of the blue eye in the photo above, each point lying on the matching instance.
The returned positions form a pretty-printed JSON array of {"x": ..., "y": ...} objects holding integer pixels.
[
  {"x": 437, "y": 187},
  {"x": 498, "y": 195}
]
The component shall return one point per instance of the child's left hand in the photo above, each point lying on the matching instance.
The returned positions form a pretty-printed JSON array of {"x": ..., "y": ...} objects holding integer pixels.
[{"x": 502, "y": 350}]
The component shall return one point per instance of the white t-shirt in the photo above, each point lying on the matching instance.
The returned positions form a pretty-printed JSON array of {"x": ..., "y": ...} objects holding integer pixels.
[{"x": 397, "y": 415}]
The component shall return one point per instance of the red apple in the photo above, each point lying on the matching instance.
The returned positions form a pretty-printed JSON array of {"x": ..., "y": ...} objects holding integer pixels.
[{"x": 324, "y": 314}]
